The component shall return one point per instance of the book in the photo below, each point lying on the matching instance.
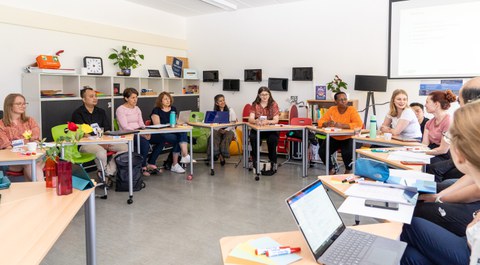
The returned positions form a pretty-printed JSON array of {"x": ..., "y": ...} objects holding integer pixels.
[
  {"x": 320, "y": 92},
  {"x": 169, "y": 70},
  {"x": 177, "y": 67}
]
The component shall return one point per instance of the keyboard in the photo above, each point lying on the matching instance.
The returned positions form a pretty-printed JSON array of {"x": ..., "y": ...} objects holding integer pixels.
[{"x": 349, "y": 248}]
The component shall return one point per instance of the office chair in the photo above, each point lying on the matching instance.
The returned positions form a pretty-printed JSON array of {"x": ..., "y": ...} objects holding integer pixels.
[{"x": 300, "y": 122}]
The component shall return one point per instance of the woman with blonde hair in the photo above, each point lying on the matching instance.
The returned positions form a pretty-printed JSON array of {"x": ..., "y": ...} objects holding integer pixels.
[
  {"x": 429, "y": 243},
  {"x": 401, "y": 120},
  {"x": 17, "y": 126}
]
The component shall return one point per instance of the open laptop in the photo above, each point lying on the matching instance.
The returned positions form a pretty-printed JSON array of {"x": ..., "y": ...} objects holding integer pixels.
[
  {"x": 328, "y": 238},
  {"x": 183, "y": 117},
  {"x": 217, "y": 117}
]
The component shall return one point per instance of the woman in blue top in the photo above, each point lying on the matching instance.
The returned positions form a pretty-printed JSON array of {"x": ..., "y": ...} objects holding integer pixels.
[{"x": 161, "y": 115}]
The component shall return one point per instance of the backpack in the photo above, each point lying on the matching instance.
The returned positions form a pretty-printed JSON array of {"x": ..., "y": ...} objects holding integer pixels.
[{"x": 122, "y": 172}]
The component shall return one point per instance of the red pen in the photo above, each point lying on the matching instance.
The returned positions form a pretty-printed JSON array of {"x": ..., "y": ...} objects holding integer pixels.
[
  {"x": 263, "y": 251},
  {"x": 285, "y": 251}
]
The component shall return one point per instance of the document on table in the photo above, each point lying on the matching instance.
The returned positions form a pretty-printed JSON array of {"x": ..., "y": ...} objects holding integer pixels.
[
  {"x": 409, "y": 156},
  {"x": 424, "y": 182},
  {"x": 381, "y": 192}
]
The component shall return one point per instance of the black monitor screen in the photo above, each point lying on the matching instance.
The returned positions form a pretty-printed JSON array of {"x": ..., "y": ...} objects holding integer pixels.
[
  {"x": 210, "y": 76},
  {"x": 231, "y": 84},
  {"x": 375, "y": 83},
  {"x": 278, "y": 84},
  {"x": 253, "y": 75},
  {"x": 302, "y": 73}
]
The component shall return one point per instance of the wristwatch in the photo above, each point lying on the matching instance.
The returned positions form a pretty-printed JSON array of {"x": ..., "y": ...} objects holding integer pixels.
[{"x": 438, "y": 199}]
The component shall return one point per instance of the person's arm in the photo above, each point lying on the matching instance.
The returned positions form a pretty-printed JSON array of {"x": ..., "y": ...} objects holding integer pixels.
[
  {"x": 251, "y": 118},
  {"x": 4, "y": 141},
  {"x": 155, "y": 119},
  {"x": 425, "y": 140},
  {"x": 442, "y": 149},
  {"x": 276, "y": 114},
  {"x": 459, "y": 185},
  {"x": 141, "y": 124},
  {"x": 35, "y": 130},
  {"x": 326, "y": 119},
  {"x": 387, "y": 122},
  {"x": 122, "y": 119},
  {"x": 355, "y": 120},
  {"x": 468, "y": 194},
  {"x": 401, "y": 125},
  {"x": 274, "y": 120}
]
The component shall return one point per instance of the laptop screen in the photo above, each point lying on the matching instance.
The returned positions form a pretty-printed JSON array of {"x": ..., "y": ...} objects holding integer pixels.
[{"x": 316, "y": 217}]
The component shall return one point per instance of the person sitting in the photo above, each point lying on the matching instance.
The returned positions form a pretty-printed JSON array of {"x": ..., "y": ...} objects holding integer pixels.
[
  {"x": 161, "y": 115},
  {"x": 264, "y": 111},
  {"x": 419, "y": 112},
  {"x": 16, "y": 126},
  {"x": 129, "y": 117},
  {"x": 428, "y": 243},
  {"x": 345, "y": 117},
  {"x": 401, "y": 120},
  {"x": 224, "y": 136},
  {"x": 438, "y": 102},
  {"x": 90, "y": 114}
]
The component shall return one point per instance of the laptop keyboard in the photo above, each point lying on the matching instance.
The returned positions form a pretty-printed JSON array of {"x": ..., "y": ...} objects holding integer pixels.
[{"x": 349, "y": 248}]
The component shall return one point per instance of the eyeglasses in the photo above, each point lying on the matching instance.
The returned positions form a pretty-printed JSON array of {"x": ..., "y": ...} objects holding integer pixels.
[
  {"x": 264, "y": 94},
  {"x": 447, "y": 137},
  {"x": 21, "y": 104}
]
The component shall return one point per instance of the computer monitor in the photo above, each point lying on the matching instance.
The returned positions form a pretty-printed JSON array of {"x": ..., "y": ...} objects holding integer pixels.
[
  {"x": 278, "y": 84},
  {"x": 302, "y": 73},
  {"x": 210, "y": 76},
  {"x": 231, "y": 84},
  {"x": 253, "y": 75},
  {"x": 374, "y": 83}
]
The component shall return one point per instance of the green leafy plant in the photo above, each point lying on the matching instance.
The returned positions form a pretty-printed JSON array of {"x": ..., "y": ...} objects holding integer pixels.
[
  {"x": 126, "y": 58},
  {"x": 336, "y": 84}
]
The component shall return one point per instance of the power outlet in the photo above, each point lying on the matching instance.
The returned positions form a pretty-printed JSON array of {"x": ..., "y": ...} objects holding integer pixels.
[{"x": 293, "y": 98}]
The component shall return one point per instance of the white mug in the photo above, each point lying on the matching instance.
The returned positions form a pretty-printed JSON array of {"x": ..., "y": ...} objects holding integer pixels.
[
  {"x": 32, "y": 146},
  {"x": 387, "y": 136}
]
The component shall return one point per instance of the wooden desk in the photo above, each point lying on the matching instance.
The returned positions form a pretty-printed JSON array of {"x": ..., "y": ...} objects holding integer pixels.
[
  {"x": 33, "y": 217},
  {"x": 383, "y": 157},
  {"x": 213, "y": 126},
  {"x": 335, "y": 185},
  {"x": 378, "y": 141},
  {"x": 328, "y": 134},
  {"x": 9, "y": 158},
  {"x": 276, "y": 128},
  {"x": 176, "y": 129},
  {"x": 125, "y": 139},
  {"x": 295, "y": 238}
]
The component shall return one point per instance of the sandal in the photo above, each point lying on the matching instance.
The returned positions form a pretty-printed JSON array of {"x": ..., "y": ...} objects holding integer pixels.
[
  {"x": 145, "y": 172},
  {"x": 151, "y": 167}
]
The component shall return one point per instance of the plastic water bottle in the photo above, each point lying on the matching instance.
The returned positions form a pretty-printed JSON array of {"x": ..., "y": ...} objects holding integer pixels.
[
  {"x": 173, "y": 119},
  {"x": 373, "y": 127}
]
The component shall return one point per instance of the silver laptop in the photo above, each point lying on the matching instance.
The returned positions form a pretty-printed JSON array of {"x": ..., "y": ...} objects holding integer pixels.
[
  {"x": 183, "y": 117},
  {"x": 328, "y": 238}
]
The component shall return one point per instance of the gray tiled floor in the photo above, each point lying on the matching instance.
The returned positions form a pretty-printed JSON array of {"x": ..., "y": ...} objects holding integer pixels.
[{"x": 175, "y": 221}]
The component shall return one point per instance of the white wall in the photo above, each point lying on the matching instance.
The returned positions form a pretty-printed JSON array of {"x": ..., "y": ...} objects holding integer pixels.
[
  {"x": 341, "y": 37},
  {"x": 23, "y": 37}
]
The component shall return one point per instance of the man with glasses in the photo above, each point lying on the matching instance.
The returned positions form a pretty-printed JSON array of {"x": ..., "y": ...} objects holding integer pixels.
[{"x": 344, "y": 117}]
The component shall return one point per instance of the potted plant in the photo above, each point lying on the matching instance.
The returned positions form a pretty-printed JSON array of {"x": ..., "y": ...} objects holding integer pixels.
[
  {"x": 336, "y": 84},
  {"x": 126, "y": 58}
]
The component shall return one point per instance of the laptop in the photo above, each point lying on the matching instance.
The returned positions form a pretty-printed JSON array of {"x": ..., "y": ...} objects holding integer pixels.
[
  {"x": 328, "y": 238},
  {"x": 217, "y": 117},
  {"x": 183, "y": 117}
]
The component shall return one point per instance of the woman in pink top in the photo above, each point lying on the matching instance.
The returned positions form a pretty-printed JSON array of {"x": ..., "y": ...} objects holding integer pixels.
[
  {"x": 129, "y": 117},
  {"x": 14, "y": 124},
  {"x": 438, "y": 102}
]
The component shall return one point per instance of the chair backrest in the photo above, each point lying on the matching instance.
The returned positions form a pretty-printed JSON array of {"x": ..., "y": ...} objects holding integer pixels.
[
  {"x": 115, "y": 125},
  {"x": 301, "y": 121},
  {"x": 148, "y": 122},
  {"x": 61, "y": 130},
  {"x": 246, "y": 110},
  {"x": 292, "y": 113},
  {"x": 196, "y": 116}
]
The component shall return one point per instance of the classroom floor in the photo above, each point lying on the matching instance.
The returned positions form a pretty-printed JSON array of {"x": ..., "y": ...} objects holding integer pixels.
[{"x": 175, "y": 221}]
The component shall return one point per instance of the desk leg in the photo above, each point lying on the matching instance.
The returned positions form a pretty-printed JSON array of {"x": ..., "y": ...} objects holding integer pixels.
[
  {"x": 212, "y": 171},
  {"x": 354, "y": 154},
  {"x": 257, "y": 172},
  {"x": 305, "y": 152},
  {"x": 34, "y": 170},
  {"x": 245, "y": 146},
  {"x": 191, "y": 153},
  {"x": 130, "y": 170},
  {"x": 90, "y": 230},
  {"x": 327, "y": 156},
  {"x": 138, "y": 143}
]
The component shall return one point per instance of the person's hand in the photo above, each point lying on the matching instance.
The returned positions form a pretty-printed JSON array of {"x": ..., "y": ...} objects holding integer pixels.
[
  {"x": 474, "y": 221},
  {"x": 427, "y": 197}
]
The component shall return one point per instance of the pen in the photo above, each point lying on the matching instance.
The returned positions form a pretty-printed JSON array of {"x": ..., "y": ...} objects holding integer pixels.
[
  {"x": 347, "y": 179},
  {"x": 284, "y": 251},
  {"x": 263, "y": 251},
  {"x": 356, "y": 180}
]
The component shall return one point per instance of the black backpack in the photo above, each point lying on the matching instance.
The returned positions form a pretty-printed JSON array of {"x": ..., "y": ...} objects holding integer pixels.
[{"x": 122, "y": 172}]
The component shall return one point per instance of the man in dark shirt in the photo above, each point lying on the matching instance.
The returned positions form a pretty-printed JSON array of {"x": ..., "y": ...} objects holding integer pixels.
[
  {"x": 89, "y": 113},
  {"x": 419, "y": 112}
]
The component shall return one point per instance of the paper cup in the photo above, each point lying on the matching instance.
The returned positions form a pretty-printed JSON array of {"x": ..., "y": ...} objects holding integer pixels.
[
  {"x": 387, "y": 136},
  {"x": 32, "y": 147}
]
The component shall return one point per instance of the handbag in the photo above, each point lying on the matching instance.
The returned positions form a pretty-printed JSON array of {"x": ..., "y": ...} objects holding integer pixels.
[
  {"x": 4, "y": 181},
  {"x": 372, "y": 169}
]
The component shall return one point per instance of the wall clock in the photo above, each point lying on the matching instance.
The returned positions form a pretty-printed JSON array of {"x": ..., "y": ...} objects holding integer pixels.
[{"x": 94, "y": 65}]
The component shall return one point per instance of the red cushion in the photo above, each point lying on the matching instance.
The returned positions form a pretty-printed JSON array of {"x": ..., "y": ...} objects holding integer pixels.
[
  {"x": 14, "y": 173},
  {"x": 291, "y": 139}
]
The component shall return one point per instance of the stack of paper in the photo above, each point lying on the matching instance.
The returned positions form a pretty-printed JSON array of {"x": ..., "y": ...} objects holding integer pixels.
[
  {"x": 424, "y": 182},
  {"x": 409, "y": 156},
  {"x": 244, "y": 253}
]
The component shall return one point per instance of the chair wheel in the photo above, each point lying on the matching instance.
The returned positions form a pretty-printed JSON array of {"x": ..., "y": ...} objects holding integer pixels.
[
  {"x": 104, "y": 197},
  {"x": 130, "y": 201},
  {"x": 257, "y": 178},
  {"x": 212, "y": 172}
]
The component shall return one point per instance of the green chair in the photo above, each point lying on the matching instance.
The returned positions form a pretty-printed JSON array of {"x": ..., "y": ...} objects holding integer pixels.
[
  {"x": 72, "y": 154},
  {"x": 199, "y": 134}
]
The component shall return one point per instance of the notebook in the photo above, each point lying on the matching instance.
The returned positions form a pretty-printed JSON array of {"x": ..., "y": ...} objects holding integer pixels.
[
  {"x": 217, "y": 117},
  {"x": 183, "y": 117},
  {"x": 328, "y": 238}
]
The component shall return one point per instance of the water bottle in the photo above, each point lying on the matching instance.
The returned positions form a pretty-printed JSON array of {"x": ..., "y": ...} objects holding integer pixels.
[
  {"x": 173, "y": 119},
  {"x": 373, "y": 127}
]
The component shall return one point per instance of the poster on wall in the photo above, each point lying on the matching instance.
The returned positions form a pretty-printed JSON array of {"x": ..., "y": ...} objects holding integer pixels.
[
  {"x": 320, "y": 92},
  {"x": 428, "y": 86},
  {"x": 177, "y": 67}
]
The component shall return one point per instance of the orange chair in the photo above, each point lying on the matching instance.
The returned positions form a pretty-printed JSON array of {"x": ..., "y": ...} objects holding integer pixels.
[
  {"x": 296, "y": 121},
  {"x": 292, "y": 113},
  {"x": 246, "y": 112}
]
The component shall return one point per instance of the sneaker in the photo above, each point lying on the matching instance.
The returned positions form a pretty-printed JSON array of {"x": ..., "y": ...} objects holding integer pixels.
[
  {"x": 186, "y": 159},
  {"x": 177, "y": 168}
]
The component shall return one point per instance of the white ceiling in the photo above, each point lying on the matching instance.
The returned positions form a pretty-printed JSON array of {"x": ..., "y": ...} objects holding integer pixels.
[{"x": 190, "y": 8}]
